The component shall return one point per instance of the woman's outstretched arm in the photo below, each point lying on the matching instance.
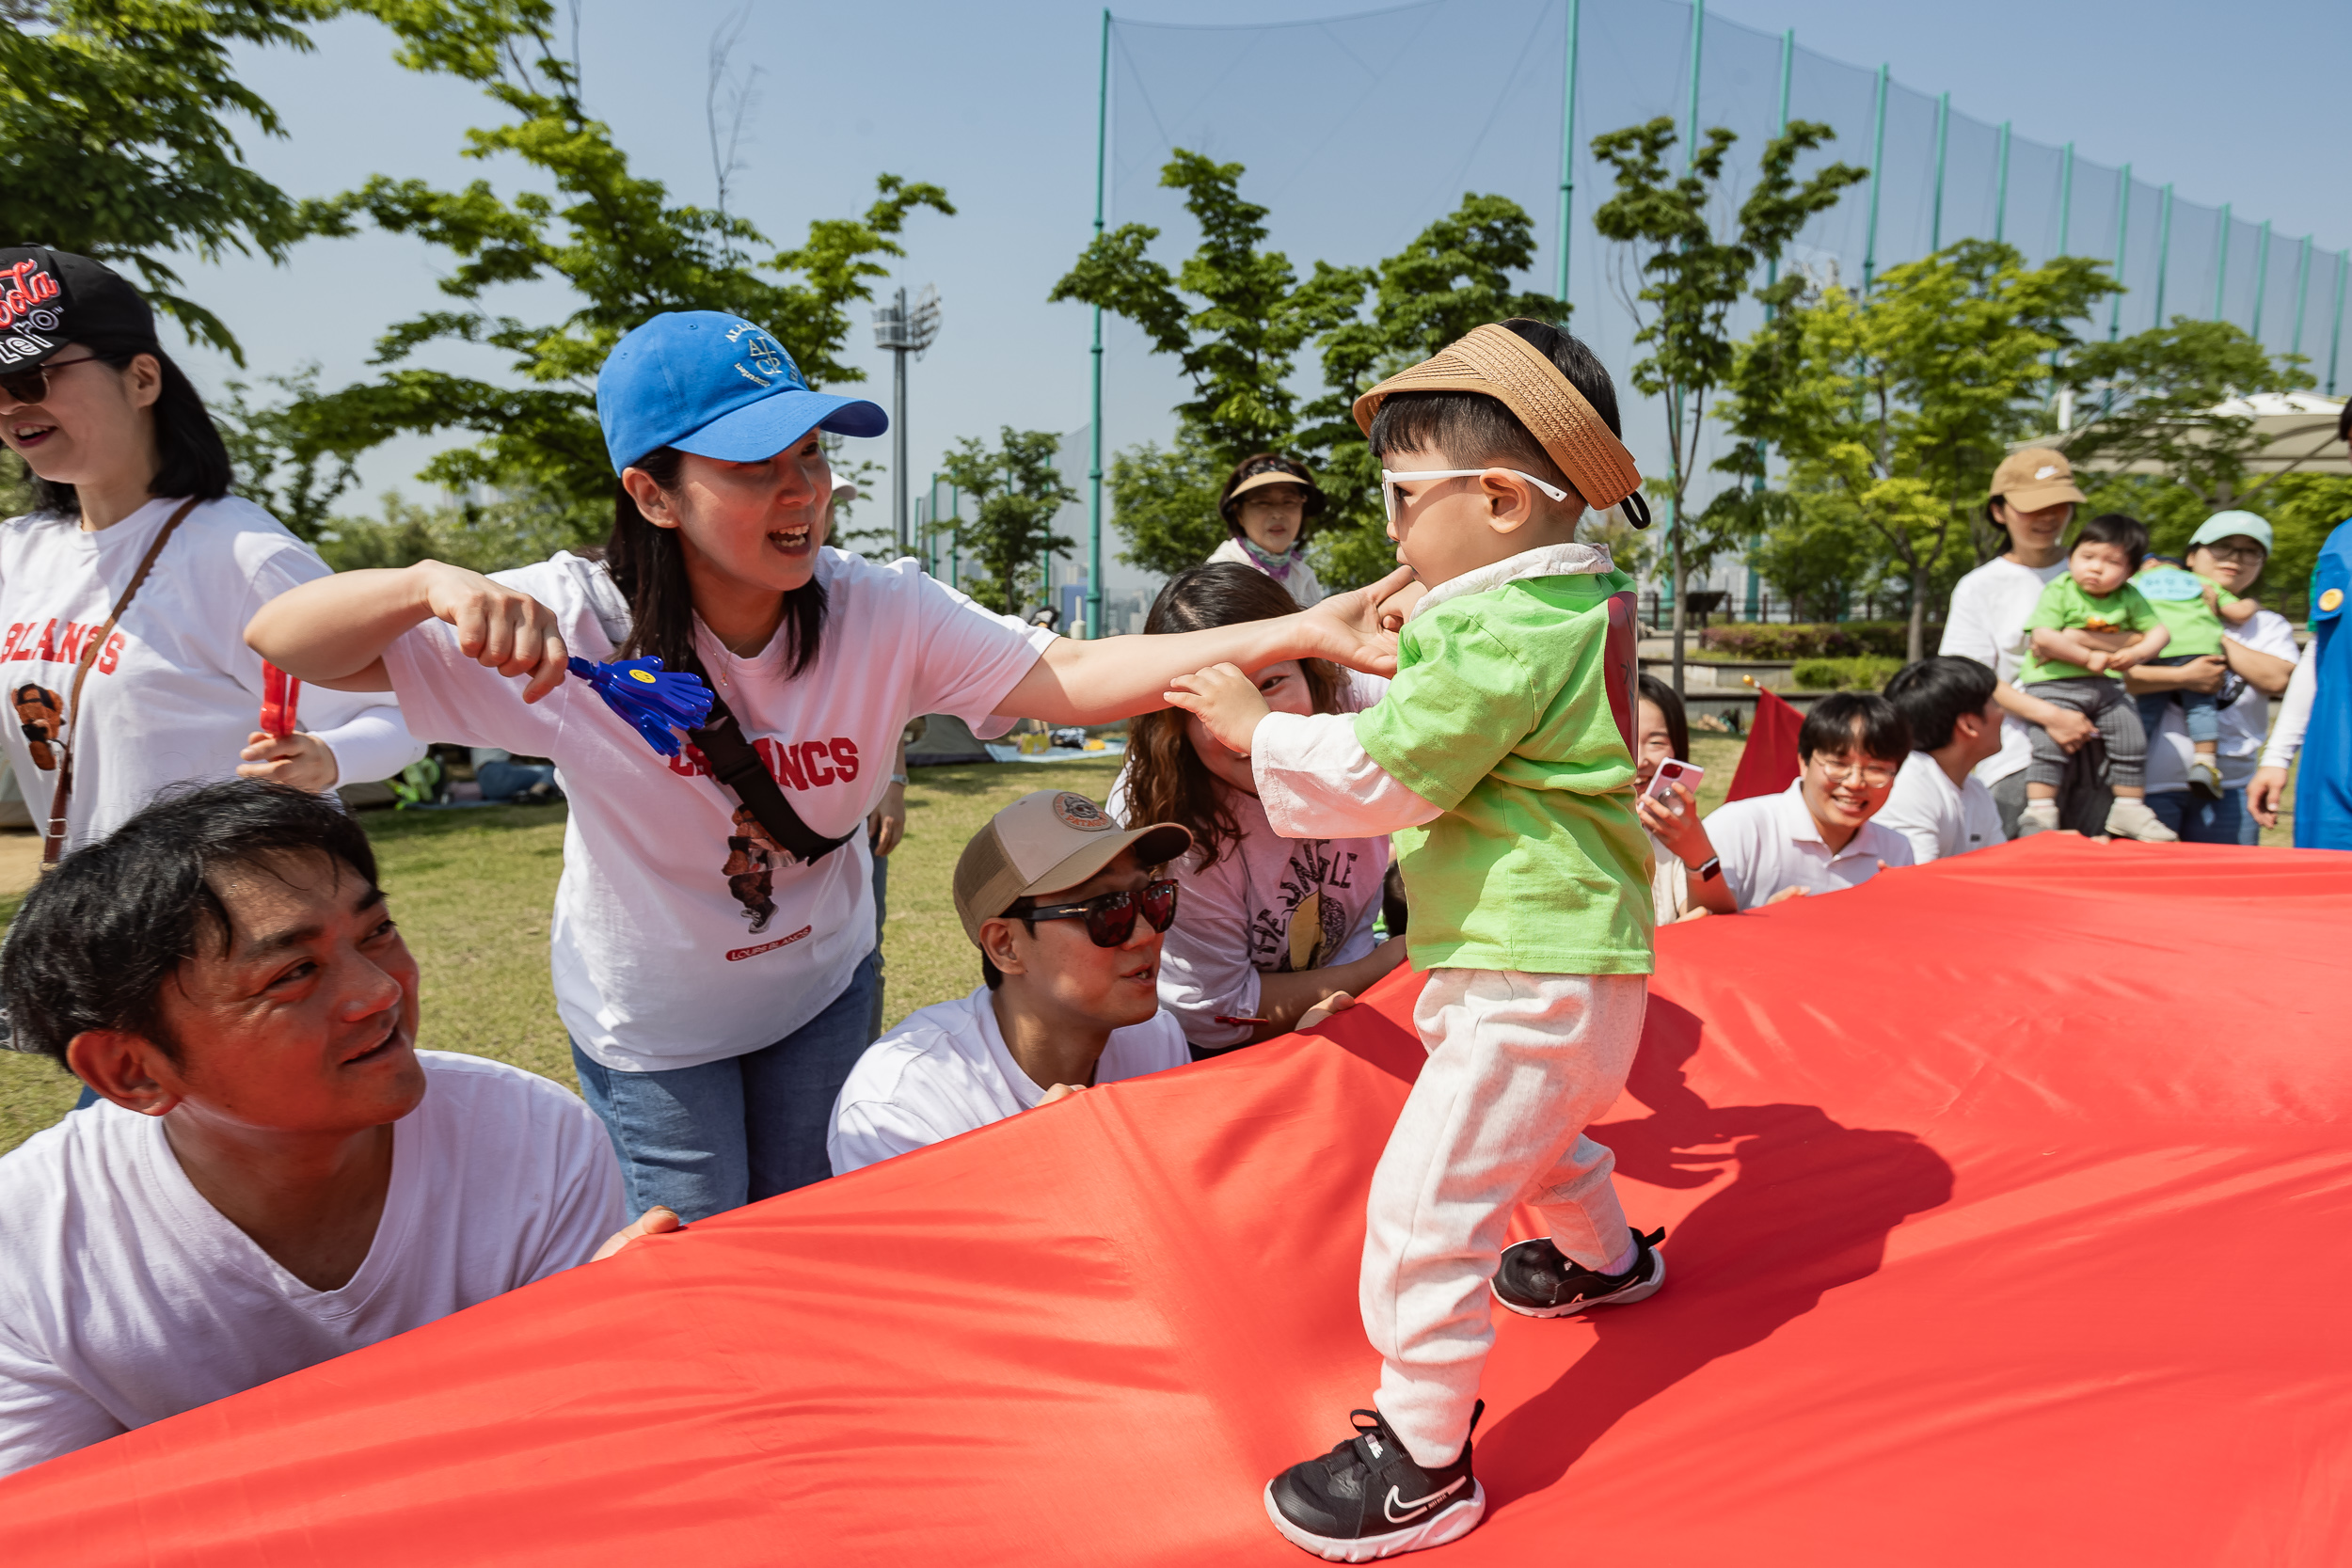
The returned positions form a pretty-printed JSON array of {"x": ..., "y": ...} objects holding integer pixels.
[
  {"x": 1117, "y": 677},
  {"x": 333, "y": 632}
]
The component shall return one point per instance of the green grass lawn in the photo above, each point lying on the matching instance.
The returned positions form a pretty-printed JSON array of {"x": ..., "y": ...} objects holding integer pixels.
[{"x": 472, "y": 889}]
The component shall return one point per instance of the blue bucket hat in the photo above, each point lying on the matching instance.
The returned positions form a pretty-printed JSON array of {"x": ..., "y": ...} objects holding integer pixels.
[{"x": 716, "y": 385}]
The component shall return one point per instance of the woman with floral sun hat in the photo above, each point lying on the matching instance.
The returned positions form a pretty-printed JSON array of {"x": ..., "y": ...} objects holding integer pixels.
[{"x": 713, "y": 939}]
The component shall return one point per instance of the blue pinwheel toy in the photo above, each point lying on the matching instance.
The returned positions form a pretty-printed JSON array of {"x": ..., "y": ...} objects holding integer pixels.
[{"x": 657, "y": 702}]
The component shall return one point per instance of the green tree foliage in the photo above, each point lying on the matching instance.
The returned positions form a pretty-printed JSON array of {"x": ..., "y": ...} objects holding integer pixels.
[
  {"x": 1164, "y": 502},
  {"x": 480, "y": 536},
  {"x": 114, "y": 142},
  {"x": 1813, "y": 549},
  {"x": 285, "y": 464},
  {"x": 614, "y": 240},
  {"x": 2150, "y": 399},
  {"x": 1235, "y": 315},
  {"x": 1900, "y": 403},
  {"x": 1454, "y": 276},
  {"x": 1016, "y": 491},
  {"x": 1692, "y": 277}
]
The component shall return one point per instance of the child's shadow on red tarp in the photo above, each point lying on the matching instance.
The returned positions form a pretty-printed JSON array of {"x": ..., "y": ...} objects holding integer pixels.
[{"x": 1808, "y": 1209}]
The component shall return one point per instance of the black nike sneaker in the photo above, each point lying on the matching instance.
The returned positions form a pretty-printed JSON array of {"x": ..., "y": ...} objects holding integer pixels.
[
  {"x": 1367, "y": 1500},
  {"x": 1537, "y": 1282}
]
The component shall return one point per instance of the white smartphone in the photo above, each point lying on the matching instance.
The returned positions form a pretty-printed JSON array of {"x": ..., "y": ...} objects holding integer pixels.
[{"x": 1673, "y": 772}]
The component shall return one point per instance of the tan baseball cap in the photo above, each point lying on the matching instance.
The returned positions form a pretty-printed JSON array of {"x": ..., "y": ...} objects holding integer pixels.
[
  {"x": 1048, "y": 840},
  {"x": 2034, "y": 478}
]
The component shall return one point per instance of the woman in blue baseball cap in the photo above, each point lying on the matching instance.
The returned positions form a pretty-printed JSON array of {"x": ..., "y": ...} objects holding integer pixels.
[{"x": 713, "y": 939}]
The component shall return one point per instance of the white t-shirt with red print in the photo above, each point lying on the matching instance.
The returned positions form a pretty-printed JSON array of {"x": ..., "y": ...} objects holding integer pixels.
[
  {"x": 681, "y": 934},
  {"x": 175, "y": 691}
]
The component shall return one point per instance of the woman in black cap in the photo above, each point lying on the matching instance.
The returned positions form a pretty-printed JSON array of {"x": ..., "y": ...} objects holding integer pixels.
[
  {"x": 1267, "y": 504},
  {"x": 125, "y": 591}
]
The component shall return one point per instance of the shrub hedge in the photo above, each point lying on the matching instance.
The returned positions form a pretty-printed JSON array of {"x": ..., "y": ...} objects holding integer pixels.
[
  {"x": 1864, "y": 672},
  {"x": 1818, "y": 639}
]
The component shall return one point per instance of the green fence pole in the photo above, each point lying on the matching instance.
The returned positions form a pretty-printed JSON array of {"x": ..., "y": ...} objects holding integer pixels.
[
  {"x": 1943, "y": 121},
  {"x": 2261, "y": 276},
  {"x": 2335, "y": 336},
  {"x": 1568, "y": 145},
  {"x": 2122, "y": 222},
  {"x": 2222, "y": 264},
  {"x": 1094, "y": 425},
  {"x": 2164, "y": 248},
  {"x": 2302, "y": 288},
  {"x": 2066, "y": 199},
  {"x": 1771, "y": 276},
  {"x": 1698, "y": 35},
  {"x": 2001, "y": 191},
  {"x": 1878, "y": 158}
]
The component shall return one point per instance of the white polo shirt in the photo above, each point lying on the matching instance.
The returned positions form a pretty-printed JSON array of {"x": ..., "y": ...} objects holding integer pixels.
[
  {"x": 945, "y": 1070},
  {"x": 1770, "y": 842},
  {"x": 1939, "y": 818}
]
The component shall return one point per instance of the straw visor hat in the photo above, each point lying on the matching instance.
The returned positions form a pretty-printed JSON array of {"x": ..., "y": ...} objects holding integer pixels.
[{"x": 1497, "y": 362}]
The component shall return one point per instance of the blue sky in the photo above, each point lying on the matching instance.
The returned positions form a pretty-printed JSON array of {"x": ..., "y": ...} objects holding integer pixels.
[{"x": 997, "y": 102}]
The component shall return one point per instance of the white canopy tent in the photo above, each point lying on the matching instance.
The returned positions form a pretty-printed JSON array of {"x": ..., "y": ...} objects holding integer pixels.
[{"x": 2293, "y": 432}]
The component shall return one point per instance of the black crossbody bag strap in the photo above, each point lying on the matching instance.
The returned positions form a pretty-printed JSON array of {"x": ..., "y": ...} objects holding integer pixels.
[{"x": 738, "y": 767}]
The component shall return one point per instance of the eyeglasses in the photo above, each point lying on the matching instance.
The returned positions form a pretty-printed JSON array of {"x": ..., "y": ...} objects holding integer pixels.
[
  {"x": 1388, "y": 481},
  {"x": 1878, "y": 775},
  {"x": 1110, "y": 917},
  {"x": 2223, "y": 551},
  {"x": 33, "y": 385}
]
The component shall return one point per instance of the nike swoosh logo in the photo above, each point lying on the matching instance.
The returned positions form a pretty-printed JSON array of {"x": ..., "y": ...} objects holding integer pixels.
[{"x": 1424, "y": 1506}]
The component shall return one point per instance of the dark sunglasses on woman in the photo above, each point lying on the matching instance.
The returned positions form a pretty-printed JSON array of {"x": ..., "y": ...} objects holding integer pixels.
[
  {"x": 29, "y": 387},
  {"x": 1110, "y": 917}
]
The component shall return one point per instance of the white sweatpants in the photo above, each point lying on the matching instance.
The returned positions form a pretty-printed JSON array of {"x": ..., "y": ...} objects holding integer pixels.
[{"x": 1519, "y": 1065}]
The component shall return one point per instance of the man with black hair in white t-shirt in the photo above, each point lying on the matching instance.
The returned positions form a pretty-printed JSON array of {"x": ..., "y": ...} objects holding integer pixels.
[
  {"x": 1953, "y": 708},
  {"x": 274, "y": 1175},
  {"x": 1067, "y": 908}
]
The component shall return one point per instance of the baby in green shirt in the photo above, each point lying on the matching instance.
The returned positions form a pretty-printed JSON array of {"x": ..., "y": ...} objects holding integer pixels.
[
  {"x": 1501, "y": 759},
  {"x": 2196, "y": 612},
  {"x": 2090, "y": 626}
]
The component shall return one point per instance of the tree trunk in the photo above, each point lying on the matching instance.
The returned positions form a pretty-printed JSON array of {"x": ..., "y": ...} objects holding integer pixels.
[
  {"x": 1674, "y": 529},
  {"x": 1915, "y": 644}
]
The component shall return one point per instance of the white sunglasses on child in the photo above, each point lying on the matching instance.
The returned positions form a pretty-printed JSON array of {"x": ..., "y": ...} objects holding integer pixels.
[{"x": 1388, "y": 481}]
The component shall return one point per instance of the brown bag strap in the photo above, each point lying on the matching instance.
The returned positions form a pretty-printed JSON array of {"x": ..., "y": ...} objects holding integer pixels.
[{"x": 62, "y": 797}]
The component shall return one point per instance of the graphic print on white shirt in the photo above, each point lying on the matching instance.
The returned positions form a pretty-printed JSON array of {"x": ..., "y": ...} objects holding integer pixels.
[
  {"x": 682, "y": 934},
  {"x": 174, "y": 691},
  {"x": 125, "y": 1297}
]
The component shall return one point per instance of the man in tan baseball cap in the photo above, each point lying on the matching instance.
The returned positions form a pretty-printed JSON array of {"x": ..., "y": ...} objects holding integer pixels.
[{"x": 1066, "y": 908}]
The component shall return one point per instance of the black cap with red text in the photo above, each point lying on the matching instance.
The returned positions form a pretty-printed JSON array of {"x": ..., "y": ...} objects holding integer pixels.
[{"x": 49, "y": 299}]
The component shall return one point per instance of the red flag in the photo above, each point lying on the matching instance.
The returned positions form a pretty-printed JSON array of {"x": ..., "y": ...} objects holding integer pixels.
[{"x": 1770, "y": 763}]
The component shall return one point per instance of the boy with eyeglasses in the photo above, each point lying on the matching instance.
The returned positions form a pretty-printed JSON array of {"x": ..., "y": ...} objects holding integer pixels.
[
  {"x": 1816, "y": 837},
  {"x": 1502, "y": 758},
  {"x": 1067, "y": 908}
]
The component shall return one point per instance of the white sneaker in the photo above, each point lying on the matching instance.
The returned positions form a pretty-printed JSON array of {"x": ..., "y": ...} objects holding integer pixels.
[
  {"x": 2205, "y": 779},
  {"x": 2039, "y": 816},
  {"x": 2128, "y": 818}
]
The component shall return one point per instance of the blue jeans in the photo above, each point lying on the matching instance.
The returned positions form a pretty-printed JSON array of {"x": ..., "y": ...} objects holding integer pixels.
[
  {"x": 705, "y": 1139},
  {"x": 2200, "y": 711},
  {"x": 503, "y": 781},
  {"x": 2201, "y": 821}
]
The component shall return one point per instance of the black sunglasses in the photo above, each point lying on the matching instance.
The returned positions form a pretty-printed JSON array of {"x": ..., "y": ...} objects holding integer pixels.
[
  {"x": 33, "y": 385},
  {"x": 1110, "y": 917}
]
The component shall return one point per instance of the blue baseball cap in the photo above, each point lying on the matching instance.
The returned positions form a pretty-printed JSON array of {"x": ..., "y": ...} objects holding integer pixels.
[{"x": 716, "y": 385}]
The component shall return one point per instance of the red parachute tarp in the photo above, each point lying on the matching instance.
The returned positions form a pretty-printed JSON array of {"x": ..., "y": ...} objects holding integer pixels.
[{"x": 2009, "y": 1205}]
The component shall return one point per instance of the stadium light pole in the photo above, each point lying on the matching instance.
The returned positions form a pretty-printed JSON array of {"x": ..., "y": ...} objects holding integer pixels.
[
  {"x": 2221, "y": 266},
  {"x": 1568, "y": 145},
  {"x": 902, "y": 332},
  {"x": 1094, "y": 424}
]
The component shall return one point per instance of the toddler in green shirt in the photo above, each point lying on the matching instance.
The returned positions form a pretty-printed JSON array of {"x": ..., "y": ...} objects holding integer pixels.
[
  {"x": 2090, "y": 626},
  {"x": 2196, "y": 612},
  {"x": 1501, "y": 759}
]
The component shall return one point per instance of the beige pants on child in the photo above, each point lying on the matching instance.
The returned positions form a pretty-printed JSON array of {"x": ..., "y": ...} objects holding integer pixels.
[{"x": 1519, "y": 1065}]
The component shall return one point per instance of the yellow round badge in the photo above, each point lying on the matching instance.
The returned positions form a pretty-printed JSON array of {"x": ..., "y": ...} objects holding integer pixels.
[
  {"x": 2332, "y": 598},
  {"x": 646, "y": 675}
]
